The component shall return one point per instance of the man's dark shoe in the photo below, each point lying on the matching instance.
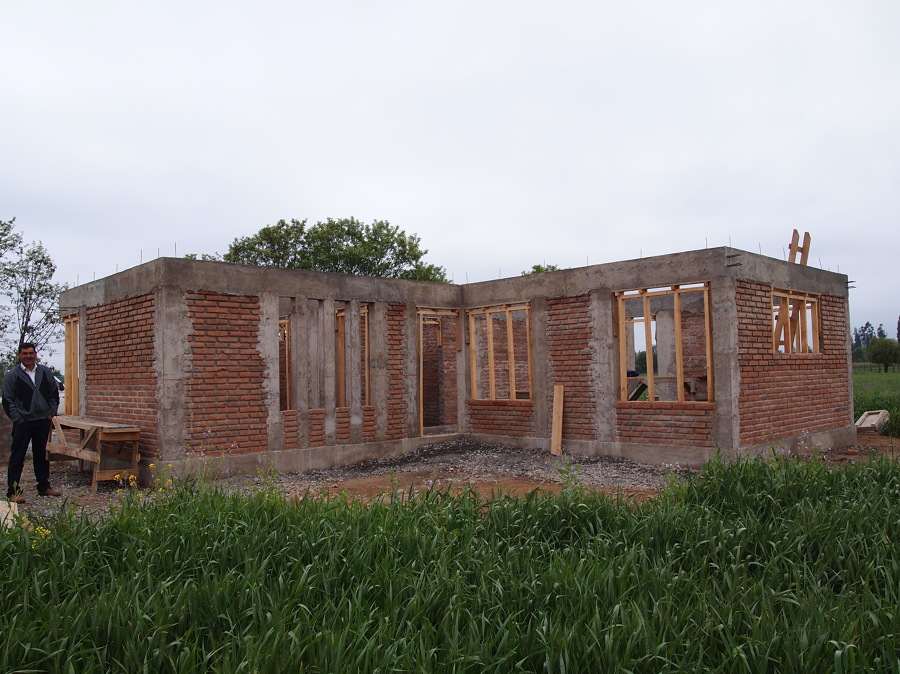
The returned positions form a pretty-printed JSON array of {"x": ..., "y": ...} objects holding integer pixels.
[
  {"x": 16, "y": 498},
  {"x": 50, "y": 492}
]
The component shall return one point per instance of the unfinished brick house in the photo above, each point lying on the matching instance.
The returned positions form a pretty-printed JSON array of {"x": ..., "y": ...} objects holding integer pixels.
[{"x": 300, "y": 370}]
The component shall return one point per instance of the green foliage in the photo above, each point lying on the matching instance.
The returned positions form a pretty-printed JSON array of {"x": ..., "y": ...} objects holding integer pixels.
[
  {"x": 863, "y": 335},
  {"x": 749, "y": 566},
  {"x": 640, "y": 362},
  {"x": 883, "y": 351},
  {"x": 859, "y": 354},
  {"x": 540, "y": 269},
  {"x": 31, "y": 312},
  {"x": 345, "y": 246},
  {"x": 206, "y": 257}
]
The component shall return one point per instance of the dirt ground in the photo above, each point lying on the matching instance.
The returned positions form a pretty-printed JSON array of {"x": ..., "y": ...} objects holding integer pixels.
[{"x": 455, "y": 465}]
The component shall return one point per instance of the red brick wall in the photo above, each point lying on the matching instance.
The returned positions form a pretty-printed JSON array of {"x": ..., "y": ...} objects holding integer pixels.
[
  {"x": 342, "y": 423},
  {"x": 570, "y": 352},
  {"x": 501, "y": 417},
  {"x": 396, "y": 357},
  {"x": 120, "y": 379},
  {"x": 317, "y": 427},
  {"x": 668, "y": 423},
  {"x": 787, "y": 394},
  {"x": 291, "y": 420},
  {"x": 370, "y": 423},
  {"x": 225, "y": 410}
]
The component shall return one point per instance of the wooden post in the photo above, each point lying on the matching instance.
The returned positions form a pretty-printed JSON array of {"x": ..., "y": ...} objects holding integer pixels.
[{"x": 556, "y": 425}]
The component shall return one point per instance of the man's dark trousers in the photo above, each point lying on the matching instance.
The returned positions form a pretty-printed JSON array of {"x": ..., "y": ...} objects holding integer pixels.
[{"x": 36, "y": 433}]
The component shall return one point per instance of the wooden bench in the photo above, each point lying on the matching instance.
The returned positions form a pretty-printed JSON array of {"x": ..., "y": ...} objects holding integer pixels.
[{"x": 89, "y": 440}]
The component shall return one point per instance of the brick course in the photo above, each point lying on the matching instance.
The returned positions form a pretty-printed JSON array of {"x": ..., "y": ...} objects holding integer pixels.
[{"x": 501, "y": 417}]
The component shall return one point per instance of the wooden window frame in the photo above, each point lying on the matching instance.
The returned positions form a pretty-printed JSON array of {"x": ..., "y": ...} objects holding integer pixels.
[
  {"x": 795, "y": 323},
  {"x": 488, "y": 312},
  {"x": 71, "y": 366},
  {"x": 622, "y": 330}
]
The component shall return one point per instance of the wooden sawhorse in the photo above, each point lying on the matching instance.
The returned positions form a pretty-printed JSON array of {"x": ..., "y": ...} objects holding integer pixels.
[{"x": 89, "y": 440}]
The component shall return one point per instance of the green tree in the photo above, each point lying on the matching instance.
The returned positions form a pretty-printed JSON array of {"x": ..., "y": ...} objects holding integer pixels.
[
  {"x": 880, "y": 333},
  {"x": 345, "y": 246},
  {"x": 280, "y": 245},
  {"x": 862, "y": 336},
  {"x": 32, "y": 311},
  {"x": 883, "y": 351},
  {"x": 540, "y": 269}
]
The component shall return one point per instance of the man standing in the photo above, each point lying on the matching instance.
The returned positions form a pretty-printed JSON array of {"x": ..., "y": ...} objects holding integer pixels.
[{"x": 30, "y": 400}]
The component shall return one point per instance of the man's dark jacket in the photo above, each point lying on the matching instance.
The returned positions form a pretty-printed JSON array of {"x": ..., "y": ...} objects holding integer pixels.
[{"x": 24, "y": 401}]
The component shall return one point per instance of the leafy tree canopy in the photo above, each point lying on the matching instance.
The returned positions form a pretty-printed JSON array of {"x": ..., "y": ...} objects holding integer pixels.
[
  {"x": 862, "y": 336},
  {"x": 540, "y": 269},
  {"x": 31, "y": 313},
  {"x": 345, "y": 246},
  {"x": 884, "y": 351}
]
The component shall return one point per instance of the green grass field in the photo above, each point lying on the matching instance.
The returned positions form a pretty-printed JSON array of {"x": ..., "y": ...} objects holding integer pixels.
[
  {"x": 748, "y": 566},
  {"x": 878, "y": 391}
]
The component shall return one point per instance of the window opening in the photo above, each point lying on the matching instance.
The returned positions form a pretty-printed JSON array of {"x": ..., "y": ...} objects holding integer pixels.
[
  {"x": 665, "y": 346},
  {"x": 438, "y": 343},
  {"x": 500, "y": 352},
  {"x": 343, "y": 364},
  {"x": 795, "y": 322}
]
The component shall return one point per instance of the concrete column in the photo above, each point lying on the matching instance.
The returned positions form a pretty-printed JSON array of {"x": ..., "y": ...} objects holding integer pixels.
[
  {"x": 726, "y": 420},
  {"x": 665, "y": 353},
  {"x": 411, "y": 368},
  {"x": 378, "y": 357},
  {"x": 605, "y": 367},
  {"x": 172, "y": 360},
  {"x": 267, "y": 347},
  {"x": 462, "y": 371},
  {"x": 301, "y": 330},
  {"x": 354, "y": 380},
  {"x": 540, "y": 370},
  {"x": 328, "y": 356}
]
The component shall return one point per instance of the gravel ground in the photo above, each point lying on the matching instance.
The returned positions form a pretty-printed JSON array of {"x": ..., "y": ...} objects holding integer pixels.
[
  {"x": 456, "y": 463},
  {"x": 459, "y": 462}
]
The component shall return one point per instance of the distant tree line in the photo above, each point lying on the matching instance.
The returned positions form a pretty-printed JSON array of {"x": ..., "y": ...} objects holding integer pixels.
[{"x": 872, "y": 345}]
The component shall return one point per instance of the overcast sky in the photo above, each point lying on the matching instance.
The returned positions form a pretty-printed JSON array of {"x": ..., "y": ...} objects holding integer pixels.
[{"x": 504, "y": 134}]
